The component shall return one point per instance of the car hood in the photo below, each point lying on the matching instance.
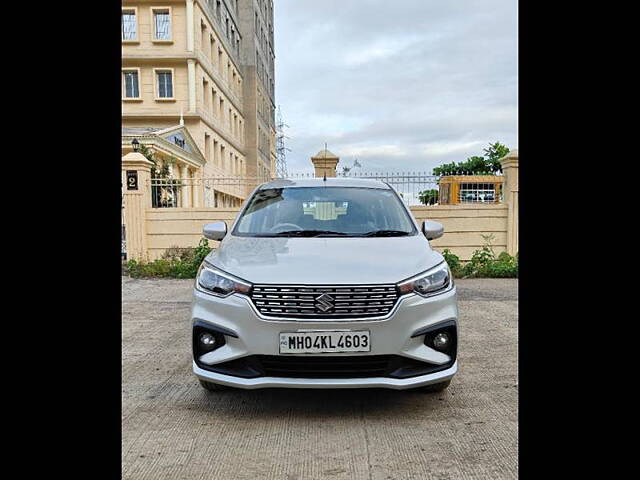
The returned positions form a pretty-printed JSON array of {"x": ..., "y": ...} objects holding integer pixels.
[{"x": 324, "y": 260}]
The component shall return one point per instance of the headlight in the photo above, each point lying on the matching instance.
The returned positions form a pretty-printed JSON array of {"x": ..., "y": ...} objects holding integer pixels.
[
  {"x": 432, "y": 282},
  {"x": 216, "y": 282}
]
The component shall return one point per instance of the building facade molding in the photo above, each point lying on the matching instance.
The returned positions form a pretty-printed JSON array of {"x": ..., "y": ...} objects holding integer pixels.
[
  {"x": 157, "y": 139},
  {"x": 222, "y": 132},
  {"x": 191, "y": 23},
  {"x": 235, "y": 56},
  {"x": 191, "y": 84},
  {"x": 220, "y": 82},
  {"x": 132, "y": 61},
  {"x": 218, "y": 130}
]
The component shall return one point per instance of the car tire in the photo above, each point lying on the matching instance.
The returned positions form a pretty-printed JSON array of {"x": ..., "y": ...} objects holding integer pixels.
[
  {"x": 213, "y": 387},
  {"x": 434, "y": 387}
]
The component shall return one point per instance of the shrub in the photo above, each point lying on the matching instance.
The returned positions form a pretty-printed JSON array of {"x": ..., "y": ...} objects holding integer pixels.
[
  {"x": 505, "y": 266},
  {"x": 174, "y": 254},
  {"x": 484, "y": 263},
  {"x": 174, "y": 263},
  {"x": 453, "y": 261}
]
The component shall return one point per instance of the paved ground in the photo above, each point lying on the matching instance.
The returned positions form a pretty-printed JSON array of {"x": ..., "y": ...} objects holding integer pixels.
[{"x": 173, "y": 429}]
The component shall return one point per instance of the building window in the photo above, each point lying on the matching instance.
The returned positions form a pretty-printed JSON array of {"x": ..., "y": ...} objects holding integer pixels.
[
  {"x": 477, "y": 193},
  {"x": 203, "y": 37},
  {"x": 205, "y": 91},
  {"x": 164, "y": 84},
  {"x": 131, "y": 84},
  {"x": 207, "y": 149},
  {"x": 129, "y": 25},
  {"x": 161, "y": 24}
]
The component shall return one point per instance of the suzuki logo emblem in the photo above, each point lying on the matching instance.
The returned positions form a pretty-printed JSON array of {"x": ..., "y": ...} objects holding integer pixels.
[{"x": 324, "y": 302}]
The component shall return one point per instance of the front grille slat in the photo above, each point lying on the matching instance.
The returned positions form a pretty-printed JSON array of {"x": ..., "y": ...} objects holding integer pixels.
[{"x": 343, "y": 301}]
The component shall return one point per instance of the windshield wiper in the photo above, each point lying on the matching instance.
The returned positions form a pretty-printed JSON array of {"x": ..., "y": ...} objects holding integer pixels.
[
  {"x": 307, "y": 233},
  {"x": 386, "y": 233}
]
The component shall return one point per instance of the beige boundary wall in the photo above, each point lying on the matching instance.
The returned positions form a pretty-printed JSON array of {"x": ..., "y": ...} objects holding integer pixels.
[
  {"x": 181, "y": 227},
  {"x": 464, "y": 227},
  {"x": 151, "y": 231}
]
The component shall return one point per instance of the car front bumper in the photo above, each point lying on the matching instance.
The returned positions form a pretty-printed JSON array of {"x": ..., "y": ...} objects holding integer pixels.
[
  {"x": 281, "y": 382},
  {"x": 250, "y": 334}
]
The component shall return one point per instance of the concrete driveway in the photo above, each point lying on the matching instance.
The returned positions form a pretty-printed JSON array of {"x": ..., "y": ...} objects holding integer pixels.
[{"x": 174, "y": 429}]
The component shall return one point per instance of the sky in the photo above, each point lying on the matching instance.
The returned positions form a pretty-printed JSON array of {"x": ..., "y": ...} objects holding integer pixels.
[{"x": 402, "y": 85}]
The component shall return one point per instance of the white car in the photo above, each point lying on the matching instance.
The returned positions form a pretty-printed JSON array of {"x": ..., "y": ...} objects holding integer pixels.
[{"x": 324, "y": 283}]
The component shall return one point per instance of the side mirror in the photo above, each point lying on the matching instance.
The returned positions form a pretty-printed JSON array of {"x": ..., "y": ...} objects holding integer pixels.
[
  {"x": 215, "y": 230},
  {"x": 432, "y": 230}
]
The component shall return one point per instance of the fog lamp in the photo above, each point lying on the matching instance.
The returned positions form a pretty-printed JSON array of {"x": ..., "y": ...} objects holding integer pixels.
[
  {"x": 441, "y": 341},
  {"x": 207, "y": 340}
]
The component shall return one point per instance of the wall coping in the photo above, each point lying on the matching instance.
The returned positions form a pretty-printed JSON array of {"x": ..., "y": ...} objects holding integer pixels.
[{"x": 136, "y": 159}]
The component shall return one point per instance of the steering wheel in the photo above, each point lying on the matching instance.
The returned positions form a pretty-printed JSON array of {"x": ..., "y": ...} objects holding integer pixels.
[{"x": 295, "y": 227}]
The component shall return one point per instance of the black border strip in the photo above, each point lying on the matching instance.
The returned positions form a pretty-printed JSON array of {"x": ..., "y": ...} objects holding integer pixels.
[
  {"x": 435, "y": 326},
  {"x": 214, "y": 328}
]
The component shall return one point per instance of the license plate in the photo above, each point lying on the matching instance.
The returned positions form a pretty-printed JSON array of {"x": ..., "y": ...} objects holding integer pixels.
[{"x": 325, "y": 342}]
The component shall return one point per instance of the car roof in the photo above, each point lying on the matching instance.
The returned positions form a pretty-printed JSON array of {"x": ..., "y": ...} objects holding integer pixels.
[{"x": 329, "y": 182}]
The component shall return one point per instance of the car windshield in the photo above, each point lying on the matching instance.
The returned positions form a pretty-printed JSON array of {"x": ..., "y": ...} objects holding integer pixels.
[{"x": 324, "y": 211}]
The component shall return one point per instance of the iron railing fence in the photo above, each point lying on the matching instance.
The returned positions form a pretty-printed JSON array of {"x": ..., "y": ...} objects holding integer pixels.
[
  {"x": 415, "y": 188},
  {"x": 219, "y": 192}
]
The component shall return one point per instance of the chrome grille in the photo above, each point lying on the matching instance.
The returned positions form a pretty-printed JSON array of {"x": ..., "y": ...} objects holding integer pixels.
[{"x": 324, "y": 301}]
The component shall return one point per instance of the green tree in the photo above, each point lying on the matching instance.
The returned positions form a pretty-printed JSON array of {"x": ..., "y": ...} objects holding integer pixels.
[
  {"x": 495, "y": 151},
  {"x": 476, "y": 165},
  {"x": 428, "y": 197},
  {"x": 163, "y": 187},
  {"x": 157, "y": 170}
]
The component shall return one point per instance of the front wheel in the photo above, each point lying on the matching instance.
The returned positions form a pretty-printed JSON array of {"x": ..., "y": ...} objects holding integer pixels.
[
  {"x": 434, "y": 387},
  {"x": 212, "y": 387}
]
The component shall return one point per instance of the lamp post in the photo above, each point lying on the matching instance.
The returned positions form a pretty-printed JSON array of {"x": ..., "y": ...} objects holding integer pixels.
[{"x": 135, "y": 144}]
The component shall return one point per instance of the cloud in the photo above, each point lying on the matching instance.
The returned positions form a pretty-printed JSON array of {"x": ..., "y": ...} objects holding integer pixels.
[
  {"x": 379, "y": 49},
  {"x": 403, "y": 85}
]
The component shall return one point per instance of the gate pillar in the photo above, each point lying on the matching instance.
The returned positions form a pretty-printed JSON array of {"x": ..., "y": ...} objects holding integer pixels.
[{"x": 136, "y": 192}]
